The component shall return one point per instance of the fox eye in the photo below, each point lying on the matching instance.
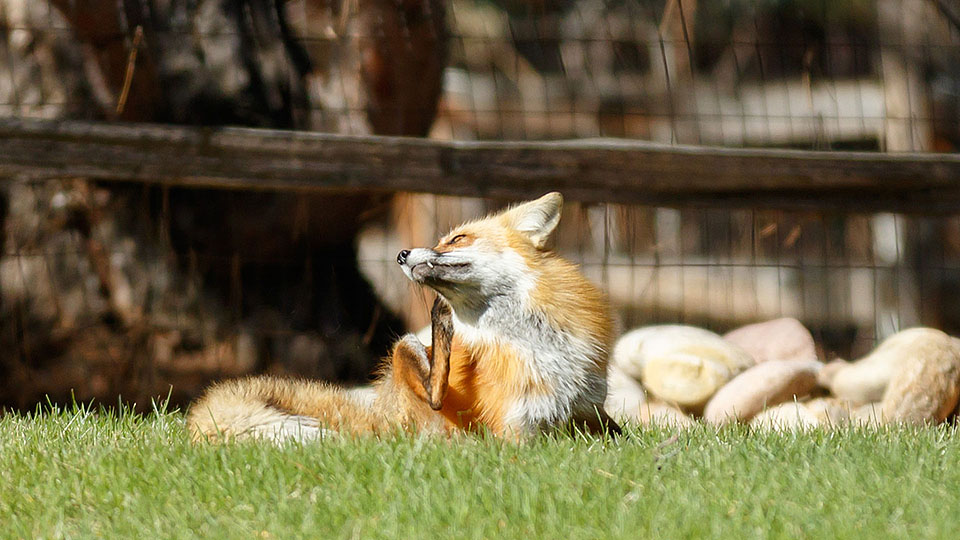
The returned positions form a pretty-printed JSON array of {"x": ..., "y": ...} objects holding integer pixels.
[{"x": 456, "y": 239}]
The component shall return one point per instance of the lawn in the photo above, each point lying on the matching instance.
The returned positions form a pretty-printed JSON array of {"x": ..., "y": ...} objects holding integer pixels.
[{"x": 80, "y": 473}]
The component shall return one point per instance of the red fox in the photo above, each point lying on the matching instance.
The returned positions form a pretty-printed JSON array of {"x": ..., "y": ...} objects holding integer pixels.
[{"x": 520, "y": 345}]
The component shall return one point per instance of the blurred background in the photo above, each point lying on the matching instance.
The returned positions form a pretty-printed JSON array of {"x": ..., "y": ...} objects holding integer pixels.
[{"x": 117, "y": 290}]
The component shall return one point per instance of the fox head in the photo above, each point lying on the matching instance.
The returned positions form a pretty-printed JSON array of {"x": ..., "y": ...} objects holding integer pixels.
[{"x": 494, "y": 256}]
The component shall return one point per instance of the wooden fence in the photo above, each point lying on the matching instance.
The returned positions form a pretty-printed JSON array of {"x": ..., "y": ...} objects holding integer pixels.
[{"x": 590, "y": 170}]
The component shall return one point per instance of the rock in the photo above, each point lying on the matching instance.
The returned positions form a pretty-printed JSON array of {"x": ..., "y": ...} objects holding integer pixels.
[
  {"x": 786, "y": 417},
  {"x": 685, "y": 379},
  {"x": 863, "y": 381},
  {"x": 867, "y": 415},
  {"x": 764, "y": 385},
  {"x": 627, "y": 403},
  {"x": 625, "y": 396},
  {"x": 829, "y": 372},
  {"x": 628, "y": 353},
  {"x": 654, "y": 413},
  {"x": 830, "y": 412},
  {"x": 866, "y": 380},
  {"x": 681, "y": 365},
  {"x": 925, "y": 386},
  {"x": 778, "y": 339}
]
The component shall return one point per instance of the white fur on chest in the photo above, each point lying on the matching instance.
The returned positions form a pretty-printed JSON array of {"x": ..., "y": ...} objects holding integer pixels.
[{"x": 563, "y": 362}]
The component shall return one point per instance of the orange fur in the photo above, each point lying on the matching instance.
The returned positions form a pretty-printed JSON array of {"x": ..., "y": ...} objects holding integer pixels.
[{"x": 482, "y": 381}]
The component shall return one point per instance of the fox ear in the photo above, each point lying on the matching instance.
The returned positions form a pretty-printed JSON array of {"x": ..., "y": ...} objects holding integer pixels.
[{"x": 537, "y": 219}]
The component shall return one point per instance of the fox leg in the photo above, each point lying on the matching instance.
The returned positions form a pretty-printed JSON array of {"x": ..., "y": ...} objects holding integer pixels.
[
  {"x": 441, "y": 320},
  {"x": 426, "y": 370},
  {"x": 411, "y": 365}
]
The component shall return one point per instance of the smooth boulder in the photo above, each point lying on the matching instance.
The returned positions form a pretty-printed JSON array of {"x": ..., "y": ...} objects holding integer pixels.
[
  {"x": 764, "y": 385},
  {"x": 654, "y": 413},
  {"x": 925, "y": 386},
  {"x": 680, "y": 365},
  {"x": 625, "y": 396},
  {"x": 777, "y": 339},
  {"x": 786, "y": 417},
  {"x": 829, "y": 411},
  {"x": 867, "y": 415},
  {"x": 866, "y": 380}
]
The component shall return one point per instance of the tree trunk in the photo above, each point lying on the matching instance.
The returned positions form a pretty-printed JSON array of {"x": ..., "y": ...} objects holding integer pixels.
[{"x": 229, "y": 282}]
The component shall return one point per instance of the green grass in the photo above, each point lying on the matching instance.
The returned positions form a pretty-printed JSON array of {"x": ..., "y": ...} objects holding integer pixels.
[{"x": 80, "y": 474}]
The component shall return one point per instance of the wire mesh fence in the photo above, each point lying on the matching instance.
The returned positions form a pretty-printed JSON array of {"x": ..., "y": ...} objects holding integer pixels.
[
  {"x": 822, "y": 75},
  {"x": 861, "y": 73},
  {"x": 112, "y": 288},
  {"x": 853, "y": 278}
]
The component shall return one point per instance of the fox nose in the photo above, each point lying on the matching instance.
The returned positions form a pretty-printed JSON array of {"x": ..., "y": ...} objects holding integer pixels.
[{"x": 402, "y": 256}]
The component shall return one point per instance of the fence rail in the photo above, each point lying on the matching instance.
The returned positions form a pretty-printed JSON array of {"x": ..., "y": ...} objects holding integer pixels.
[{"x": 591, "y": 170}]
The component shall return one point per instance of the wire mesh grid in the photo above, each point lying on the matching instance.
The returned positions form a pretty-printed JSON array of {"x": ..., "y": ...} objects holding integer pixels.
[
  {"x": 861, "y": 73},
  {"x": 853, "y": 278},
  {"x": 107, "y": 288}
]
